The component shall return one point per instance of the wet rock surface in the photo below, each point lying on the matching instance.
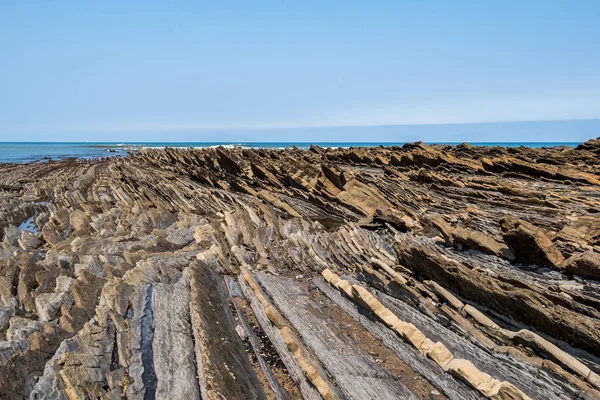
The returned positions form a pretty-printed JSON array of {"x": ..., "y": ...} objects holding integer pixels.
[{"x": 422, "y": 272}]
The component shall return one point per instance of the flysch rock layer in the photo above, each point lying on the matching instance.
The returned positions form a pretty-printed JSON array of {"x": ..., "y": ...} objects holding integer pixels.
[{"x": 417, "y": 272}]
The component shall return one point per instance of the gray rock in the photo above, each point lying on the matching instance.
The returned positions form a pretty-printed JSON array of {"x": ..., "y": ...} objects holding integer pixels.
[
  {"x": 48, "y": 304},
  {"x": 20, "y": 328},
  {"x": 7, "y": 310},
  {"x": 29, "y": 241},
  {"x": 11, "y": 235},
  {"x": 181, "y": 237},
  {"x": 173, "y": 344}
]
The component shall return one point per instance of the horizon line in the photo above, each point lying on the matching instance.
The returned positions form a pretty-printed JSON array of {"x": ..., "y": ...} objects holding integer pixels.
[
  {"x": 292, "y": 126},
  {"x": 297, "y": 127},
  {"x": 238, "y": 142}
]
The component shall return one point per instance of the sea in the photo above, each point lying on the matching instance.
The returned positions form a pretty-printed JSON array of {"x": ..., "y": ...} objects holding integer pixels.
[{"x": 26, "y": 152}]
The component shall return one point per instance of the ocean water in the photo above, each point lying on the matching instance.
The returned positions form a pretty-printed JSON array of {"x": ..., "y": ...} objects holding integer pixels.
[{"x": 13, "y": 152}]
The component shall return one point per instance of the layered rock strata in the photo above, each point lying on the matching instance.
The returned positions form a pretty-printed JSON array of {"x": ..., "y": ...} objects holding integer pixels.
[{"x": 418, "y": 272}]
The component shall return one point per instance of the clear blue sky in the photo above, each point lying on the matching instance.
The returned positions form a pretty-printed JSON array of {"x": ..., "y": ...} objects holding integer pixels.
[{"x": 204, "y": 71}]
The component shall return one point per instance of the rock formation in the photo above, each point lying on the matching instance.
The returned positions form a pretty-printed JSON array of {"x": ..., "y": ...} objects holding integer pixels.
[{"x": 417, "y": 272}]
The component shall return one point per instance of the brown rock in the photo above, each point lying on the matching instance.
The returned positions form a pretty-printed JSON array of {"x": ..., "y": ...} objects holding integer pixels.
[
  {"x": 586, "y": 265},
  {"x": 530, "y": 244},
  {"x": 27, "y": 283},
  {"x": 51, "y": 235},
  {"x": 86, "y": 292},
  {"x": 442, "y": 226},
  {"x": 482, "y": 242},
  {"x": 333, "y": 175},
  {"x": 585, "y": 229},
  {"x": 80, "y": 222},
  {"x": 521, "y": 303}
]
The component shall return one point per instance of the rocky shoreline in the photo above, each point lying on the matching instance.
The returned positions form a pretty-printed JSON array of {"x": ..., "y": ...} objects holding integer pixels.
[{"x": 418, "y": 272}]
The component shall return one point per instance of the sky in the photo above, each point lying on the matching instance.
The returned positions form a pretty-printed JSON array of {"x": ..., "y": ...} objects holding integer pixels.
[{"x": 315, "y": 70}]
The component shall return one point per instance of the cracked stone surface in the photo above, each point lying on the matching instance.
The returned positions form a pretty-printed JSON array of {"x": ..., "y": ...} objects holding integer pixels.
[{"x": 454, "y": 272}]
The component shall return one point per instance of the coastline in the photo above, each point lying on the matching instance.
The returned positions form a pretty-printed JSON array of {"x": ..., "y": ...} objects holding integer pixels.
[
  {"x": 24, "y": 152},
  {"x": 108, "y": 267}
]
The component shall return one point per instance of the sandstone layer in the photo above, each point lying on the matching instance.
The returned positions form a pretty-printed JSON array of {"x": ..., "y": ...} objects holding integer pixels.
[{"x": 415, "y": 272}]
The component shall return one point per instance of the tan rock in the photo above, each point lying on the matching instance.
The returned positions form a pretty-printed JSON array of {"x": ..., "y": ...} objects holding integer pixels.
[
  {"x": 530, "y": 244},
  {"x": 586, "y": 265},
  {"x": 482, "y": 242}
]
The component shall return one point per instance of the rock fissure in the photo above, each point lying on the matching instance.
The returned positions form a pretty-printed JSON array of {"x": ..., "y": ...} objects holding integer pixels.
[{"x": 116, "y": 274}]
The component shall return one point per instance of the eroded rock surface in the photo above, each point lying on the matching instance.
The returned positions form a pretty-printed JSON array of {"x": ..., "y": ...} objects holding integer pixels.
[{"x": 421, "y": 272}]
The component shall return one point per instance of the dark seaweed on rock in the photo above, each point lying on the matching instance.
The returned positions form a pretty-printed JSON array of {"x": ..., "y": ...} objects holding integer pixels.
[{"x": 458, "y": 272}]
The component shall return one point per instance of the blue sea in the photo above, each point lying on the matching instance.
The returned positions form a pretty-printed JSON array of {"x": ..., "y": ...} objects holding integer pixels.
[{"x": 13, "y": 152}]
